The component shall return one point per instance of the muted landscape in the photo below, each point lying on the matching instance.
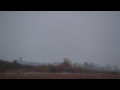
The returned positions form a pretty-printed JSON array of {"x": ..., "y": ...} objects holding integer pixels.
[
  {"x": 59, "y": 44},
  {"x": 64, "y": 70}
]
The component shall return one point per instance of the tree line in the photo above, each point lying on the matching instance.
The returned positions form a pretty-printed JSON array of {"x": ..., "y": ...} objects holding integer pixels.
[{"x": 65, "y": 66}]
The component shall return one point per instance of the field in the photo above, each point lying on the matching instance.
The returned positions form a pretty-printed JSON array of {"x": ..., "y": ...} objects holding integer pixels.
[
  {"x": 65, "y": 75},
  {"x": 65, "y": 70}
]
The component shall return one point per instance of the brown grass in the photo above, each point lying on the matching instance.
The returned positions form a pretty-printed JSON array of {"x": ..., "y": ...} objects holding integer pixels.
[{"x": 39, "y": 75}]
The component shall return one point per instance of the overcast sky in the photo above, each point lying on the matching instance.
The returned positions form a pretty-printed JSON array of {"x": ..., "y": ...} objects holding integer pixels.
[{"x": 51, "y": 36}]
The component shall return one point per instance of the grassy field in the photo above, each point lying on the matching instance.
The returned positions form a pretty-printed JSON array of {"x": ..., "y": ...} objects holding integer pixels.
[{"x": 39, "y": 75}]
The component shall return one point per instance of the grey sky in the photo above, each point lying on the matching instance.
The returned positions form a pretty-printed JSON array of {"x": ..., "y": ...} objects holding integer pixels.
[{"x": 51, "y": 36}]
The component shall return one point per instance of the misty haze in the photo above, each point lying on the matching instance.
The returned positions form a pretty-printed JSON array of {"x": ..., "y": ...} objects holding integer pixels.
[{"x": 86, "y": 39}]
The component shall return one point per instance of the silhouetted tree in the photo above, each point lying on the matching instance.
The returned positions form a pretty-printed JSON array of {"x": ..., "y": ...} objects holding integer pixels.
[
  {"x": 15, "y": 61},
  {"x": 67, "y": 63}
]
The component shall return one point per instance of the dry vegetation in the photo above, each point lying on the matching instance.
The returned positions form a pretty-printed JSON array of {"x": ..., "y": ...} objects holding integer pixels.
[{"x": 39, "y": 75}]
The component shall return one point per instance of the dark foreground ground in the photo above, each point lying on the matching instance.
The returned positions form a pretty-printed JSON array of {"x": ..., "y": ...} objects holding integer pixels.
[{"x": 39, "y": 75}]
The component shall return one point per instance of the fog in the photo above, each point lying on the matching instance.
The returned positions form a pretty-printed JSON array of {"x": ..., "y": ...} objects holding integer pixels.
[{"x": 51, "y": 36}]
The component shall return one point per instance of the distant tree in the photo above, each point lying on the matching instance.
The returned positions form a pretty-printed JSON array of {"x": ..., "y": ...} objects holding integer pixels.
[
  {"x": 115, "y": 68},
  {"x": 108, "y": 67},
  {"x": 85, "y": 65},
  {"x": 91, "y": 66},
  {"x": 52, "y": 68},
  {"x": 65, "y": 66},
  {"x": 75, "y": 65},
  {"x": 67, "y": 63},
  {"x": 15, "y": 61}
]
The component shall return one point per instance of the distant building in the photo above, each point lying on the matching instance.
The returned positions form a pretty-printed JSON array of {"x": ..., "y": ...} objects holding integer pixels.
[{"x": 20, "y": 58}]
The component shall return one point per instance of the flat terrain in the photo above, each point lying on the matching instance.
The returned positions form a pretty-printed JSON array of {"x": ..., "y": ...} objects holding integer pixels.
[{"x": 39, "y": 75}]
